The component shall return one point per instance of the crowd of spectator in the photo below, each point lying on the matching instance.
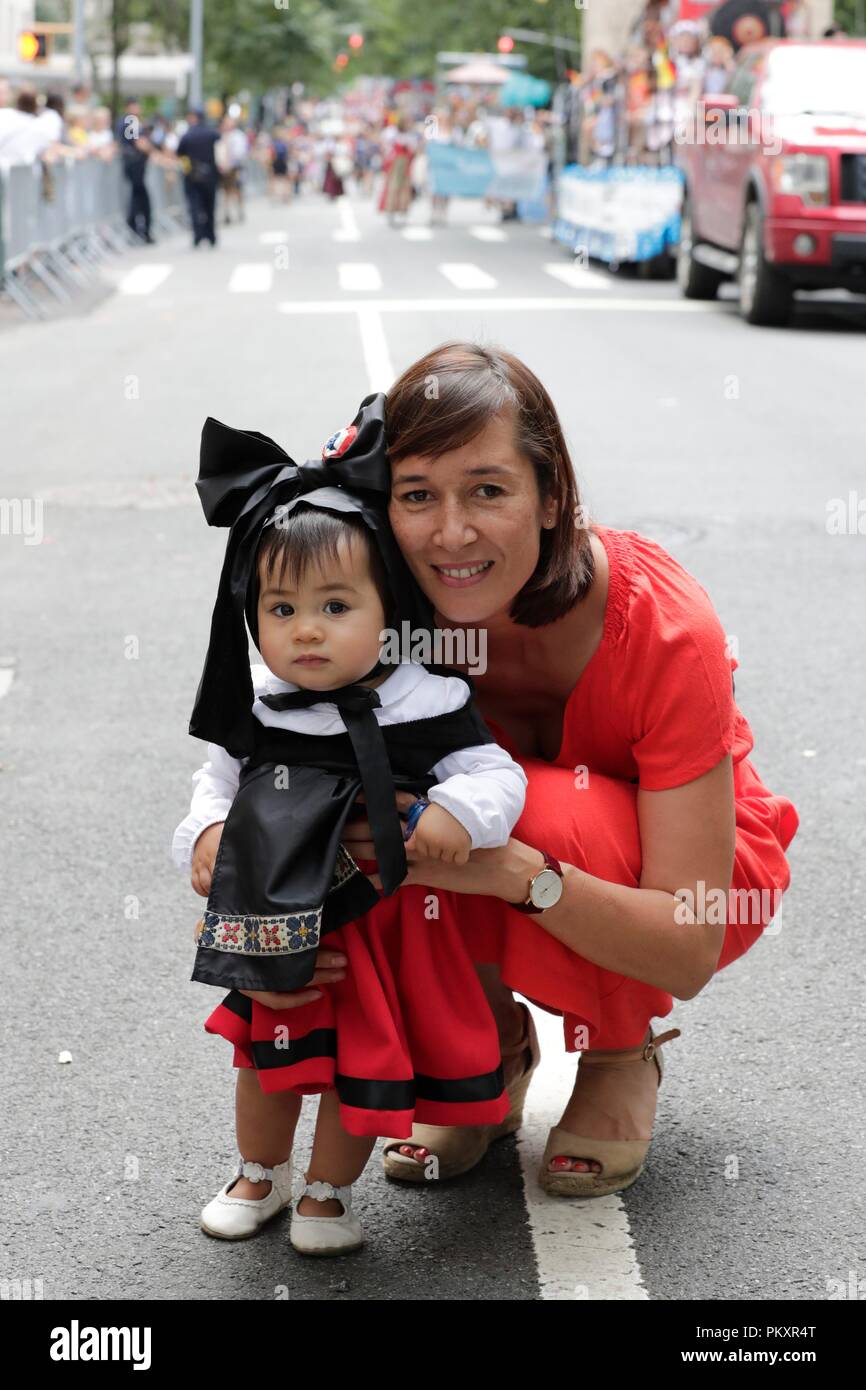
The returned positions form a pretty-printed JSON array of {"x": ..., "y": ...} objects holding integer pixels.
[
  {"x": 47, "y": 128},
  {"x": 630, "y": 106}
]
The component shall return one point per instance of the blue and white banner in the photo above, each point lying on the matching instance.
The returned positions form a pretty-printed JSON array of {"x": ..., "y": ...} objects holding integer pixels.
[
  {"x": 459, "y": 172},
  {"x": 619, "y": 214}
]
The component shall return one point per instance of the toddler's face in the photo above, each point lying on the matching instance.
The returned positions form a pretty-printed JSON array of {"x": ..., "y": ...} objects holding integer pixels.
[{"x": 334, "y": 614}]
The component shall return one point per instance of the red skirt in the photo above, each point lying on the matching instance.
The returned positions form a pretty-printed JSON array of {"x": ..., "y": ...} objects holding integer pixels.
[{"x": 407, "y": 1036}]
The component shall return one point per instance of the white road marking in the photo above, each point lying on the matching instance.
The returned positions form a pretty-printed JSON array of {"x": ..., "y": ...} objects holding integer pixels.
[
  {"x": 483, "y": 232},
  {"x": 509, "y": 304},
  {"x": 418, "y": 233},
  {"x": 256, "y": 277},
  {"x": 273, "y": 238},
  {"x": 143, "y": 279},
  {"x": 7, "y": 675},
  {"x": 583, "y": 1248},
  {"x": 377, "y": 358},
  {"x": 466, "y": 276},
  {"x": 348, "y": 228},
  {"x": 359, "y": 275},
  {"x": 578, "y": 277}
]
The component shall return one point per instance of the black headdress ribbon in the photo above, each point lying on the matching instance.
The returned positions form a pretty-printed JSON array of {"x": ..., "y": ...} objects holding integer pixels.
[
  {"x": 243, "y": 477},
  {"x": 356, "y": 704}
]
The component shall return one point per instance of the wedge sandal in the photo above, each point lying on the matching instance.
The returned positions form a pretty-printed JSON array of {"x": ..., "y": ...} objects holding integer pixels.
[
  {"x": 458, "y": 1148},
  {"x": 622, "y": 1160}
]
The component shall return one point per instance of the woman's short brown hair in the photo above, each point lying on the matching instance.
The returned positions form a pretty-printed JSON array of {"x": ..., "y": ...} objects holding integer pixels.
[{"x": 445, "y": 399}]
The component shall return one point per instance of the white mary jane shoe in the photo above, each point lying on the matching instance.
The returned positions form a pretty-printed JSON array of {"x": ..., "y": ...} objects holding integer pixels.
[
  {"x": 237, "y": 1218},
  {"x": 326, "y": 1235}
]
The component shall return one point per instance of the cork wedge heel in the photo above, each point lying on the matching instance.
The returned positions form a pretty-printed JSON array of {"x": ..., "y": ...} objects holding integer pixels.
[{"x": 622, "y": 1160}]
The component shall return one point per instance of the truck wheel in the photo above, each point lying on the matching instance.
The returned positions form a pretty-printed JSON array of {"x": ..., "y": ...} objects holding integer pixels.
[
  {"x": 696, "y": 281},
  {"x": 766, "y": 296},
  {"x": 660, "y": 267}
]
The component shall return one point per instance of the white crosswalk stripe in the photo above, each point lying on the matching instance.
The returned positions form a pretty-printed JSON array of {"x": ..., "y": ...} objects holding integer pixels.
[
  {"x": 578, "y": 277},
  {"x": 359, "y": 275},
  {"x": 348, "y": 229},
  {"x": 418, "y": 233},
  {"x": 466, "y": 276},
  {"x": 143, "y": 279},
  {"x": 510, "y": 304},
  {"x": 272, "y": 238},
  {"x": 483, "y": 232},
  {"x": 257, "y": 277},
  {"x": 374, "y": 345}
]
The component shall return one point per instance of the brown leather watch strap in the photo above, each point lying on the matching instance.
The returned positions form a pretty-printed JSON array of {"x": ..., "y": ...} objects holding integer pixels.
[{"x": 528, "y": 905}]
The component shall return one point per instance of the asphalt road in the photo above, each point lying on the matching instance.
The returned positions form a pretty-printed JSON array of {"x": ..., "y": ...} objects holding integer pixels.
[{"x": 723, "y": 442}]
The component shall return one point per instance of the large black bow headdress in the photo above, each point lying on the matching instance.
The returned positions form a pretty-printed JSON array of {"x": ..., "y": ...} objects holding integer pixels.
[{"x": 243, "y": 476}]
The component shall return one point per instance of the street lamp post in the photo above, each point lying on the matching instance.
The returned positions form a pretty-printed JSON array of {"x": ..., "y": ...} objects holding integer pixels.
[
  {"x": 78, "y": 39},
  {"x": 196, "y": 45}
]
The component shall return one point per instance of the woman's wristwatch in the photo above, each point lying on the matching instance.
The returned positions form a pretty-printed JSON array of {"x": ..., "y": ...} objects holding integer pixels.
[{"x": 545, "y": 888}]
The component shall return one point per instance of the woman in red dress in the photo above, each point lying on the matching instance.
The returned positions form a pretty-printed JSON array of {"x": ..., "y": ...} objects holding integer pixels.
[{"x": 608, "y": 677}]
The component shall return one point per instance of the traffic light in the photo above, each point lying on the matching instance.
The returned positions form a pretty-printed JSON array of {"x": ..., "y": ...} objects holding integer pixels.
[
  {"x": 505, "y": 43},
  {"x": 341, "y": 60},
  {"x": 356, "y": 40},
  {"x": 32, "y": 48}
]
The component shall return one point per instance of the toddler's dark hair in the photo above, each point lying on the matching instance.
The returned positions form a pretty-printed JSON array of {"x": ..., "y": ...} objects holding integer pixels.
[{"x": 307, "y": 534}]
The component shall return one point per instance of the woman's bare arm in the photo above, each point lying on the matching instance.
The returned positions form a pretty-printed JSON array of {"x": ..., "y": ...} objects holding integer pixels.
[{"x": 687, "y": 838}]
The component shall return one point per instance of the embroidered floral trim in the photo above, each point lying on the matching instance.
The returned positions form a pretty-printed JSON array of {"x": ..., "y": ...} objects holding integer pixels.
[
  {"x": 254, "y": 935},
  {"x": 261, "y": 936}
]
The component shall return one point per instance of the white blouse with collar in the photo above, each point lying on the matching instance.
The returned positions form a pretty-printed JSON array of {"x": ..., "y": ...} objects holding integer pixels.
[{"x": 482, "y": 786}]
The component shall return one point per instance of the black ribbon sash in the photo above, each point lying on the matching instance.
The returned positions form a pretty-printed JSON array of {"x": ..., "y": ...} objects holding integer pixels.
[{"x": 356, "y": 704}]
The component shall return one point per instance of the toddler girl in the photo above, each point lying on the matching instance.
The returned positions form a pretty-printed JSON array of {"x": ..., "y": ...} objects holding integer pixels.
[{"x": 404, "y": 1032}]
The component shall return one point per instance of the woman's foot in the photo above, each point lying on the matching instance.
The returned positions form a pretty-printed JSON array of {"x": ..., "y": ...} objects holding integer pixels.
[
  {"x": 513, "y": 1029},
  {"x": 610, "y": 1100}
]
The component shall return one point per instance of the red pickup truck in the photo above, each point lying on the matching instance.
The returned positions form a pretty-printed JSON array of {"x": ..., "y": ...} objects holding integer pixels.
[{"x": 775, "y": 178}]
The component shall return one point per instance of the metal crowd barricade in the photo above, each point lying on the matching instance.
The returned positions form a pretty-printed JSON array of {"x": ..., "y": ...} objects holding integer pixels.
[{"x": 59, "y": 220}]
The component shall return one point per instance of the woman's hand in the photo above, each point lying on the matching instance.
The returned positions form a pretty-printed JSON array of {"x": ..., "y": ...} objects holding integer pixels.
[
  {"x": 204, "y": 853},
  {"x": 500, "y": 873},
  {"x": 330, "y": 967}
]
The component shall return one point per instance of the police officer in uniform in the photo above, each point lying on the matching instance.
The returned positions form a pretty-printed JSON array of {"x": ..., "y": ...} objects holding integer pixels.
[
  {"x": 135, "y": 149},
  {"x": 196, "y": 154}
]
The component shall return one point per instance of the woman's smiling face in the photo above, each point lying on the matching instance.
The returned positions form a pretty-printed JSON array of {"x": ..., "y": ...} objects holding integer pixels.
[{"x": 474, "y": 506}]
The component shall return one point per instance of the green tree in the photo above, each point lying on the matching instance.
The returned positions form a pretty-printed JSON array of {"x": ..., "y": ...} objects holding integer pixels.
[
  {"x": 404, "y": 37},
  {"x": 850, "y": 14}
]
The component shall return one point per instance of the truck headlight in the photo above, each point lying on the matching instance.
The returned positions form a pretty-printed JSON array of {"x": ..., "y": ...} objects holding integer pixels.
[{"x": 807, "y": 176}]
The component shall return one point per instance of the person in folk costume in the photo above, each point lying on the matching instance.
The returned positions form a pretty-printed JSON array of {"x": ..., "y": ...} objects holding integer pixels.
[
  {"x": 332, "y": 183},
  {"x": 396, "y": 195},
  {"x": 406, "y": 1032}
]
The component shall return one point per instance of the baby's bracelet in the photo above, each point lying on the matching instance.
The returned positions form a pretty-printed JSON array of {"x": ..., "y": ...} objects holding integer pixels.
[{"x": 415, "y": 814}]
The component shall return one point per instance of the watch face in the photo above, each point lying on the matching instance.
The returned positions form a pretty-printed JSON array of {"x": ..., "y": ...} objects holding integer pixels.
[{"x": 546, "y": 888}]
